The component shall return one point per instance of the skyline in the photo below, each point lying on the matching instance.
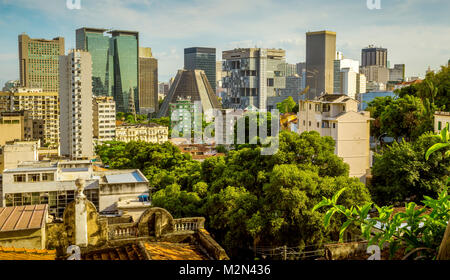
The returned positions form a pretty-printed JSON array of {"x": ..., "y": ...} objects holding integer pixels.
[{"x": 412, "y": 31}]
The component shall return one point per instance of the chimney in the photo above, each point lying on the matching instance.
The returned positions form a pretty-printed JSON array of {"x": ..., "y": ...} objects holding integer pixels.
[{"x": 81, "y": 233}]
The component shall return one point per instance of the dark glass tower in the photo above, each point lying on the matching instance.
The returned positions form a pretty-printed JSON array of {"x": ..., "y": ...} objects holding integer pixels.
[{"x": 202, "y": 59}]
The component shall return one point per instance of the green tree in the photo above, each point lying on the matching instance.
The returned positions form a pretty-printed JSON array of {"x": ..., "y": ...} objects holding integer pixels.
[{"x": 287, "y": 105}]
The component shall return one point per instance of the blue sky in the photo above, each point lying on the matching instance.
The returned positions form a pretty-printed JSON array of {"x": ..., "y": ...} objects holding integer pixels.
[{"x": 416, "y": 32}]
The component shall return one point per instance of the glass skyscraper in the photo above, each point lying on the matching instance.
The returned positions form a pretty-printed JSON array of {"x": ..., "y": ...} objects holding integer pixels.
[
  {"x": 115, "y": 64},
  {"x": 203, "y": 59}
]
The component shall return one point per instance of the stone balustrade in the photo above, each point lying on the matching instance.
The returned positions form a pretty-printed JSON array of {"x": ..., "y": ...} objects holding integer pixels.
[
  {"x": 122, "y": 231},
  {"x": 189, "y": 224}
]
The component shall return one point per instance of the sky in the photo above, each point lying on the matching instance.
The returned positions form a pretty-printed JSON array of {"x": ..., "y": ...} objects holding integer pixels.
[{"x": 415, "y": 32}]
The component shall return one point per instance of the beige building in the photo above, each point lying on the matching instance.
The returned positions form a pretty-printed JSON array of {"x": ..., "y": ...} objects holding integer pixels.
[
  {"x": 38, "y": 62},
  {"x": 320, "y": 55},
  {"x": 75, "y": 77},
  {"x": 104, "y": 119},
  {"x": 13, "y": 153},
  {"x": 441, "y": 119},
  {"x": 376, "y": 73},
  {"x": 43, "y": 108},
  {"x": 337, "y": 116},
  {"x": 15, "y": 126},
  {"x": 148, "y": 82},
  {"x": 151, "y": 133}
]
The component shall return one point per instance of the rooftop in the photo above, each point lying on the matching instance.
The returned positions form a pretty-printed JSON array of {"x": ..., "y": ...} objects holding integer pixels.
[
  {"x": 26, "y": 254},
  {"x": 131, "y": 177},
  {"x": 23, "y": 217}
]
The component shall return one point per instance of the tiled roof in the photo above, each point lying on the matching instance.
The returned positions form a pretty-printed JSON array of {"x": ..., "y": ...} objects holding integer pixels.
[
  {"x": 122, "y": 253},
  {"x": 174, "y": 251},
  {"x": 22, "y": 217},
  {"x": 26, "y": 254}
]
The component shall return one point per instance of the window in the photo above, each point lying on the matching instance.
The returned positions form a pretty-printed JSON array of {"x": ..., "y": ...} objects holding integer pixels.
[
  {"x": 318, "y": 124},
  {"x": 47, "y": 177},
  {"x": 334, "y": 125},
  {"x": 20, "y": 178},
  {"x": 439, "y": 125},
  {"x": 310, "y": 123},
  {"x": 34, "y": 177}
]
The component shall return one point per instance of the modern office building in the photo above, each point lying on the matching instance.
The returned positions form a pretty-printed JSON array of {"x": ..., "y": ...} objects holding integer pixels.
[
  {"x": 104, "y": 119},
  {"x": 254, "y": 77},
  {"x": 375, "y": 73},
  {"x": 320, "y": 55},
  {"x": 75, "y": 77},
  {"x": 337, "y": 116},
  {"x": 115, "y": 64},
  {"x": 42, "y": 107},
  {"x": 38, "y": 62},
  {"x": 339, "y": 64},
  {"x": 148, "y": 82},
  {"x": 202, "y": 59},
  {"x": 374, "y": 56},
  {"x": 397, "y": 73},
  {"x": 301, "y": 71},
  {"x": 190, "y": 85},
  {"x": 99, "y": 46}
]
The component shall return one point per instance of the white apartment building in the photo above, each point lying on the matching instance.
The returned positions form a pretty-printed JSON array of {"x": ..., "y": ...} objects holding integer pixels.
[
  {"x": 104, "y": 119},
  {"x": 75, "y": 91},
  {"x": 337, "y": 116}
]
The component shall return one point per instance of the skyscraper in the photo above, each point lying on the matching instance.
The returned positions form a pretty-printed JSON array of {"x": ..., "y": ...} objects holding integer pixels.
[
  {"x": 38, "y": 62},
  {"x": 99, "y": 46},
  {"x": 202, "y": 59},
  {"x": 115, "y": 64},
  {"x": 76, "y": 126},
  {"x": 320, "y": 54},
  {"x": 148, "y": 81},
  {"x": 374, "y": 56}
]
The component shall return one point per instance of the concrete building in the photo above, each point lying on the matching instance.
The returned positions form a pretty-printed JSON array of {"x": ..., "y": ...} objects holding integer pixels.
[
  {"x": 397, "y": 73},
  {"x": 198, "y": 58},
  {"x": 374, "y": 56},
  {"x": 38, "y": 62},
  {"x": 15, "y": 126},
  {"x": 76, "y": 124},
  {"x": 150, "y": 133},
  {"x": 148, "y": 82},
  {"x": 191, "y": 85},
  {"x": 375, "y": 73},
  {"x": 253, "y": 77},
  {"x": 351, "y": 83},
  {"x": 15, "y": 152},
  {"x": 337, "y": 116},
  {"x": 23, "y": 227},
  {"x": 441, "y": 119},
  {"x": 42, "y": 107},
  {"x": 320, "y": 55},
  {"x": 53, "y": 183},
  {"x": 104, "y": 119}
]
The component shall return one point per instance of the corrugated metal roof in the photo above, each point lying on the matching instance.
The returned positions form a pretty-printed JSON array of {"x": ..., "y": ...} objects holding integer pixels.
[
  {"x": 22, "y": 217},
  {"x": 132, "y": 177}
]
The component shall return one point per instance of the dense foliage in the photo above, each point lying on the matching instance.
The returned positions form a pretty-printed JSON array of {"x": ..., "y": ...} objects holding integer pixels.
[
  {"x": 287, "y": 106},
  {"x": 247, "y": 198}
]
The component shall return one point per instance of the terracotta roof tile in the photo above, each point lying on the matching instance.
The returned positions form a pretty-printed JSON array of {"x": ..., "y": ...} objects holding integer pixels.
[
  {"x": 26, "y": 254},
  {"x": 22, "y": 217},
  {"x": 174, "y": 251}
]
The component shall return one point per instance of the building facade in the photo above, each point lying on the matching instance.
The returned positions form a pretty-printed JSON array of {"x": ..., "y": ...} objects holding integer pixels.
[
  {"x": 397, "y": 73},
  {"x": 15, "y": 152},
  {"x": 15, "y": 126},
  {"x": 76, "y": 133},
  {"x": 374, "y": 56},
  {"x": 337, "y": 116},
  {"x": 202, "y": 59},
  {"x": 148, "y": 82},
  {"x": 254, "y": 77},
  {"x": 441, "y": 119},
  {"x": 104, "y": 119},
  {"x": 320, "y": 55},
  {"x": 38, "y": 62},
  {"x": 150, "y": 133}
]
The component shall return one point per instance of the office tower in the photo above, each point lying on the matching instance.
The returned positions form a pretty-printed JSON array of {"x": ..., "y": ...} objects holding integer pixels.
[
  {"x": 191, "y": 86},
  {"x": 202, "y": 59},
  {"x": 397, "y": 73},
  {"x": 43, "y": 108},
  {"x": 291, "y": 69},
  {"x": 219, "y": 76},
  {"x": 115, "y": 64},
  {"x": 75, "y": 78},
  {"x": 104, "y": 119},
  {"x": 376, "y": 74},
  {"x": 38, "y": 62},
  {"x": 253, "y": 77},
  {"x": 301, "y": 71},
  {"x": 148, "y": 81},
  {"x": 320, "y": 55},
  {"x": 339, "y": 64},
  {"x": 374, "y": 56},
  {"x": 99, "y": 46}
]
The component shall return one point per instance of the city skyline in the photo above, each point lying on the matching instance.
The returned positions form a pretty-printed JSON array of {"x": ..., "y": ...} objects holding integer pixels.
[{"x": 412, "y": 31}]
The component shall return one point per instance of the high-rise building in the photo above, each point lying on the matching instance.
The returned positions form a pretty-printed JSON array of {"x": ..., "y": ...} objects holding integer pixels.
[
  {"x": 38, "y": 62},
  {"x": 104, "y": 118},
  {"x": 98, "y": 45},
  {"x": 43, "y": 108},
  {"x": 291, "y": 69},
  {"x": 377, "y": 74},
  {"x": 397, "y": 73},
  {"x": 75, "y": 78},
  {"x": 202, "y": 59},
  {"x": 254, "y": 77},
  {"x": 320, "y": 55},
  {"x": 301, "y": 71},
  {"x": 374, "y": 56},
  {"x": 148, "y": 81},
  {"x": 339, "y": 65},
  {"x": 115, "y": 64}
]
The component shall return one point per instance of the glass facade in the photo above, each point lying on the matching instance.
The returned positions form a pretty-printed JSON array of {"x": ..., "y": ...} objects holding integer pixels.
[{"x": 203, "y": 59}]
